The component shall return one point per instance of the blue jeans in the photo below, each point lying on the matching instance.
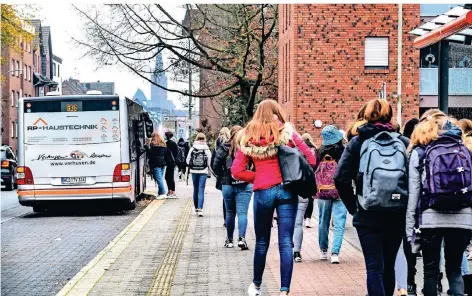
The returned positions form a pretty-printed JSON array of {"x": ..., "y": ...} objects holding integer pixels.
[
  {"x": 159, "y": 177},
  {"x": 237, "y": 199},
  {"x": 380, "y": 248},
  {"x": 326, "y": 208},
  {"x": 265, "y": 202},
  {"x": 199, "y": 182}
]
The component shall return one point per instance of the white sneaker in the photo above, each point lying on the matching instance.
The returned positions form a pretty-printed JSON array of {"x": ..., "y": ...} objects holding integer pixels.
[
  {"x": 160, "y": 197},
  {"x": 252, "y": 290},
  {"x": 172, "y": 196},
  {"x": 323, "y": 255},
  {"x": 308, "y": 223},
  {"x": 334, "y": 259},
  {"x": 200, "y": 213}
]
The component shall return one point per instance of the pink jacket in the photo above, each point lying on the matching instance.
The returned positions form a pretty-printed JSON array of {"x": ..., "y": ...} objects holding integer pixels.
[{"x": 264, "y": 157}]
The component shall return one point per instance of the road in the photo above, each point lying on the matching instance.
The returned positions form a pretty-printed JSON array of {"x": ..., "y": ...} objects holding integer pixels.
[
  {"x": 11, "y": 208},
  {"x": 41, "y": 252}
]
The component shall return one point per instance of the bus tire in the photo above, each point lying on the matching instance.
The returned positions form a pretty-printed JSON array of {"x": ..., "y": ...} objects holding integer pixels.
[{"x": 131, "y": 205}]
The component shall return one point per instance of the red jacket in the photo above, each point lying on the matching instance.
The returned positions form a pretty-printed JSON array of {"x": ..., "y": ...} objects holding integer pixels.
[{"x": 264, "y": 157}]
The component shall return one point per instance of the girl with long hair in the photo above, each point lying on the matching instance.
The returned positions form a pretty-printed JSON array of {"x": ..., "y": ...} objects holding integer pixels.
[
  {"x": 157, "y": 154},
  {"x": 466, "y": 126},
  {"x": 453, "y": 226},
  {"x": 380, "y": 232},
  {"x": 259, "y": 144},
  {"x": 236, "y": 194}
]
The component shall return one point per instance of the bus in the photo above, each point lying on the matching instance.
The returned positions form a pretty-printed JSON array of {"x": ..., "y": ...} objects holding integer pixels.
[{"x": 84, "y": 147}]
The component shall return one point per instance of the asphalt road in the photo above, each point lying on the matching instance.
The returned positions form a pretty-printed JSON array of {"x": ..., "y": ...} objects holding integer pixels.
[{"x": 41, "y": 252}]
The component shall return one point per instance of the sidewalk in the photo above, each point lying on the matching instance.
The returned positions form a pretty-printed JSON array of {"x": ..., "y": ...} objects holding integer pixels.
[{"x": 167, "y": 250}]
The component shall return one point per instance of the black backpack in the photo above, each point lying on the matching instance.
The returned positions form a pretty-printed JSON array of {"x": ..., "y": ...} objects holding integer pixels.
[
  {"x": 180, "y": 155},
  {"x": 227, "y": 168},
  {"x": 198, "y": 160}
]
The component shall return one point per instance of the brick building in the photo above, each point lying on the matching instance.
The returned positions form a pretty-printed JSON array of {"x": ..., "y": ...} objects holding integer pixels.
[
  {"x": 17, "y": 71},
  {"x": 333, "y": 58}
]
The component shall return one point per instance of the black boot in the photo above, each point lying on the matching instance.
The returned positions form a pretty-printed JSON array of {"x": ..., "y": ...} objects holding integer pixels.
[{"x": 440, "y": 286}]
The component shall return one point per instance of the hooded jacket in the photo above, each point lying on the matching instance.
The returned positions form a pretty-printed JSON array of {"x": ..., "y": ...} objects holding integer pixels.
[
  {"x": 431, "y": 218},
  {"x": 348, "y": 171},
  {"x": 264, "y": 156},
  {"x": 199, "y": 145}
]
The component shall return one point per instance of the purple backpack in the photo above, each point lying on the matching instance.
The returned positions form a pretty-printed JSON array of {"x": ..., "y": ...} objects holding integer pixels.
[
  {"x": 448, "y": 169},
  {"x": 324, "y": 176}
]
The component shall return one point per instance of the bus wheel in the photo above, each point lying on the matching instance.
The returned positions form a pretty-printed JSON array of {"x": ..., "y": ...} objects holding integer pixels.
[
  {"x": 132, "y": 205},
  {"x": 39, "y": 209}
]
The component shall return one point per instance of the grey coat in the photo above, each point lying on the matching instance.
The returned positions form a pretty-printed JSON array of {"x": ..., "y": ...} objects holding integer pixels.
[{"x": 430, "y": 218}]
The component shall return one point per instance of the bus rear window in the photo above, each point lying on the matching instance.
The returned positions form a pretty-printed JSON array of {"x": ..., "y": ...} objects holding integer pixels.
[{"x": 71, "y": 106}]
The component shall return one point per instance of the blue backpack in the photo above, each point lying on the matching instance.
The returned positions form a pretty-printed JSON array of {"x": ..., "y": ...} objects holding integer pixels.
[{"x": 383, "y": 165}]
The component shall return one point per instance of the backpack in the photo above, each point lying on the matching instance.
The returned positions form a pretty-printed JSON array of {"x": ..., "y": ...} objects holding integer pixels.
[
  {"x": 448, "y": 181},
  {"x": 383, "y": 166},
  {"x": 180, "y": 155},
  {"x": 227, "y": 168},
  {"x": 324, "y": 176},
  {"x": 198, "y": 160}
]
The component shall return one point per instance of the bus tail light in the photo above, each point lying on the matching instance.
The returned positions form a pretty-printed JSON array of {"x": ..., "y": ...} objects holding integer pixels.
[
  {"x": 24, "y": 175},
  {"x": 122, "y": 173},
  {"x": 5, "y": 164}
]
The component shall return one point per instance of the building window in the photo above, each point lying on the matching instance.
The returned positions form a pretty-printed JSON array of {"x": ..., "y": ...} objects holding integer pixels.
[
  {"x": 29, "y": 73},
  {"x": 16, "y": 129},
  {"x": 13, "y": 98},
  {"x": 17, "y": 98},
  {"x": 12, "y": 132},
  {"x": 17, "y": 68},
  {"x": 24, "y": 72},
  {"x": 376, "y": 52},
  {"x": 13, "y": 67}
]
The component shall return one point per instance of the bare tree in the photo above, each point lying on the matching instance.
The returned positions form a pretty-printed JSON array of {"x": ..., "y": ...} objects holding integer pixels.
[{"x": 236, "y": 44}]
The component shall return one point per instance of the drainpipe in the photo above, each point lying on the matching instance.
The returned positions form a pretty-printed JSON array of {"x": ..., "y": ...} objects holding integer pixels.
[{"x": 399, "y": 68}]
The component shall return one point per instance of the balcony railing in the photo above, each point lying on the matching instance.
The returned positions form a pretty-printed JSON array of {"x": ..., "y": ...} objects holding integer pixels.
[{"x": 460, "y": 81}]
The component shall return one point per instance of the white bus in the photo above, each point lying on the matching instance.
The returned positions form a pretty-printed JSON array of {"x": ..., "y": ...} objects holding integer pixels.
[{"x": 87, "y": 147}]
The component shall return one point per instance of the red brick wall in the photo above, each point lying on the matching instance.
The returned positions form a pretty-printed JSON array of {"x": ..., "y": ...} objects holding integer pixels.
[
  {"x": 18, "y": 84},
  {"x": 324, "y": 45}
]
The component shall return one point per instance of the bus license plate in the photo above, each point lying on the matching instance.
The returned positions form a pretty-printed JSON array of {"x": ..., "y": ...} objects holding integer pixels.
[{"x": 74, "y": 180}]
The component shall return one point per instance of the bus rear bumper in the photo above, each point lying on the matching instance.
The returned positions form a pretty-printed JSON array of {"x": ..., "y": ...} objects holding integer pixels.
[{"x": 33, "y": 196}]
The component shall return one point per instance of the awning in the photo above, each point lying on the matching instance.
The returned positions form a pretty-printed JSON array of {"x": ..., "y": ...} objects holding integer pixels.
[
  {"x": 454, "y": 24},
  {"x": 41, "y": 80}
]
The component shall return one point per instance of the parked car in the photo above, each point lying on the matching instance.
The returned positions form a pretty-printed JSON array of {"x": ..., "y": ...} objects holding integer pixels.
[{"x": 9, "y": 165}]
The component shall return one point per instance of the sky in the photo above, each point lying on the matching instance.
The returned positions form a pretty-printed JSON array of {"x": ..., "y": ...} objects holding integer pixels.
[{"x": 65, "y": 23}]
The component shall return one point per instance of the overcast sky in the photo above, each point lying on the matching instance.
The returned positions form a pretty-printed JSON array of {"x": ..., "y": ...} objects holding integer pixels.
[{"x": 65, "y": 23}]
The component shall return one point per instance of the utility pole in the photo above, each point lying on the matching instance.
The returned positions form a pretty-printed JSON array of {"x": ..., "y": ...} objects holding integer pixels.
[{"x": 189, "y": 69}]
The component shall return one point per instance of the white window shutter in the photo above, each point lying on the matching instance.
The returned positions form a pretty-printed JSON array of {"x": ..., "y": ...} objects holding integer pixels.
[{"x": 376, "y": 51}]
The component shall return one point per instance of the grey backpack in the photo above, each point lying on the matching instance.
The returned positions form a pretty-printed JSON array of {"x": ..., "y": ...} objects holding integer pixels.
[{"x": 384, "y": 168}]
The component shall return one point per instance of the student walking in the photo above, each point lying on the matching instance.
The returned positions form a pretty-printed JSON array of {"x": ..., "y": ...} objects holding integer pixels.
[
  {"x": 303, "y": 205},
  {"x": 440, "y": 194},
  {"x": 466, "y": 126},
  {"x": 223, "y": 137},
  {"x": 309, "y": 209},
  {"x": 198, "y": 161},
  {"x": 158, "y": 158},
  {"x": 329, "y": 202},
  {"x": 260, "y": 143},
  {"x": 170, "y": 169},
  {"x": 376, "y": 160},
  {"x": 236, "y": 194},
  {"x": 182, "y": 152}
]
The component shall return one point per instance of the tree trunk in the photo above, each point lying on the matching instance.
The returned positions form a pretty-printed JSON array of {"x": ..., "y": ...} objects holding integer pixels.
[{"x": 245, "y": 87}]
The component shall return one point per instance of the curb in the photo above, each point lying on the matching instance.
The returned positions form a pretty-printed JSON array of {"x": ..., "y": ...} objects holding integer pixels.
[{"x": 86, "y": 279}]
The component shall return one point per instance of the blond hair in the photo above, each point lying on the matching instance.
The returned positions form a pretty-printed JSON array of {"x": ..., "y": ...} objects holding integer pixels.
[
  {"x": 267, "y": 122},
  {"x": 428, "y": 129},
  {"x": 224, "y": 134},
  {"x": 200, "y": 137},
  {"x": 157, "y": 140},
  {"x": 307, "y": 137},
  {"x": 466, "y": 127},
  {"x": 234, "y": 139},
  {"x": 352, "y": 128}
]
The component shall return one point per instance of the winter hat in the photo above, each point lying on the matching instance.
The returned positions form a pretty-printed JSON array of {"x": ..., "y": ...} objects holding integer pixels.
[{"x": 331, "y": 135}]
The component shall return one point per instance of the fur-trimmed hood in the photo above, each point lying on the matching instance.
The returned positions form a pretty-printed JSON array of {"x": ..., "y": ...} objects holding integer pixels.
[{"x": 267, "y": 148}]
